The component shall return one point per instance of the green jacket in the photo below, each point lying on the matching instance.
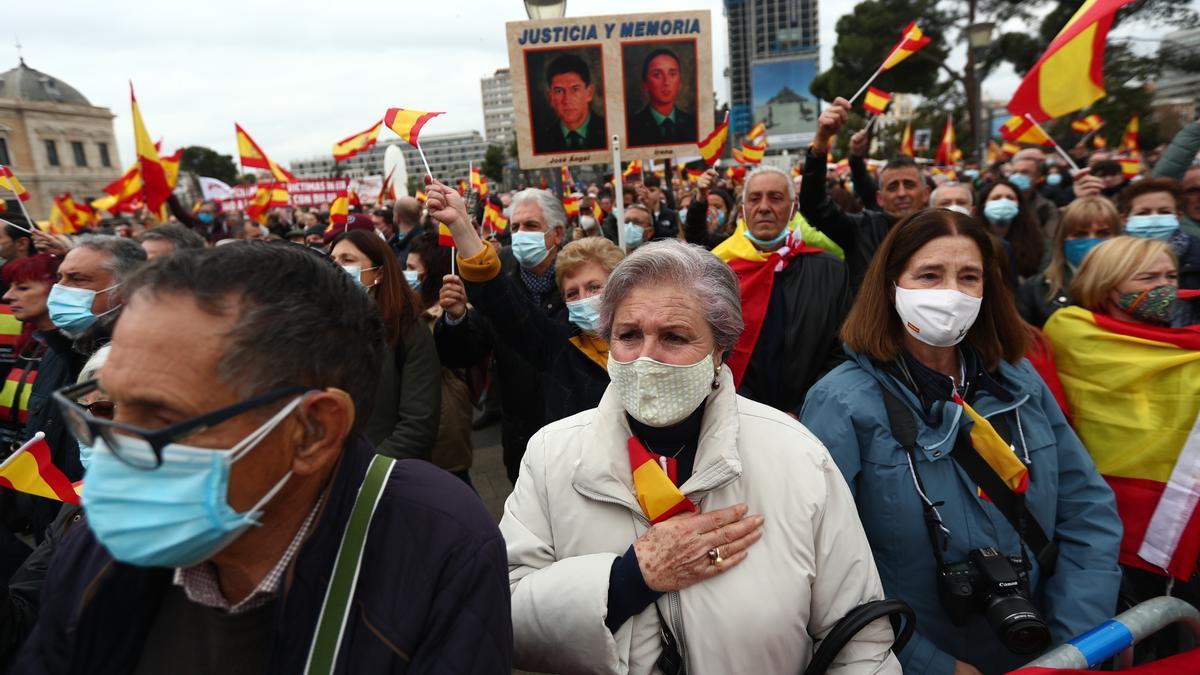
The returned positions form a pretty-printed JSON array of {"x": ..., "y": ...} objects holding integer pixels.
[
  {"x": 1176, "y": 160},
  {"x": 408, "y": 403}
]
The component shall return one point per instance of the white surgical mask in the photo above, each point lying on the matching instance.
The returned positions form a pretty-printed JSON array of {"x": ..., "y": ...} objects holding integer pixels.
[
  {"x": 937, "y": 316},
  {"x": 660, "y": 394}
]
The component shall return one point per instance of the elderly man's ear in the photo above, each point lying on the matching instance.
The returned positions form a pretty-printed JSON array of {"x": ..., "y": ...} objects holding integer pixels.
[{"x": 324, "y": 420}]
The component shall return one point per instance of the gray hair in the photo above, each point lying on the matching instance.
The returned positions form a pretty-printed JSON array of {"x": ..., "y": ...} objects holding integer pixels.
[
  {"x": 953, "y": 184},
  {"x": 764, "y": 169},
  {"x": 177, "y": 235},
  {"x": 94, "y": 364},
  {"x": 124, "y": 255},
  {"x": 641, "y": 207},
  {"x": 552, "y": 209},
  {"x": 686, "y": 266}
]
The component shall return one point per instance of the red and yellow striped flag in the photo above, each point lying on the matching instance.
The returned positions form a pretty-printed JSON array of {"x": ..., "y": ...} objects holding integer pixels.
[
  {"x": 360, "y": 142},
  {"x": 1130, "y": 167},
  {"x": 31, "y": 470},
  {"x": 445, "y": 238},
  {"x": 912, "y": 42},
  {"x": 1070, "y": 74},
  {"x": 597, "y": 210},
  {"x": 656, "y": 493},
  {"x": 876, "y": 100},
  {"x": 1086, "y": 125},
  {"x": 635, "y": 167},
  {"x": 571, "y": 206},
  {"x": 756, "y": 131},
  {"x": 753, "y": 154},
  {"x": 998, "y": 454},
  {"x": 254, "y": 157},
  {"x": 947, "y": 152},
  {"x": 68, "y": 216},
  {"x": 1023, "y": 130},
  {"x": 421, "y": 196},
  {"x": 713, "y": 144},
  {"x": 906, "y": 141},
  {"x": 155, "y": 187},
  {"x": 339, "y": 211},
  {"x": 567, "y": 179},
  {"x": 1129, "y": 140},
  {"x": 266, "y": 197},
  {"x": 407, "y": 123},
  {"x": 1010, "y": 149},
  {"x": 494, "y": 218},
  {"x": 1111, "y": 370},
  {"x": 10, "y": 182}
]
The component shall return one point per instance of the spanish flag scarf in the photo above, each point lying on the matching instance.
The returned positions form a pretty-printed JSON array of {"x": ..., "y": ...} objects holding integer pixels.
[
  {"x": 995, "y": 452},
  {"x": 755, "y": 271},
  {"x": 654, "y": 484},
  {"x": 1134, "y": 390}
]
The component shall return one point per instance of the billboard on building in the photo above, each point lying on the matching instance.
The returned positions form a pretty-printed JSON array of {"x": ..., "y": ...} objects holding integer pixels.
[
  {"x": 783, "y": 101},
  {"x": 578, "y": 81}
]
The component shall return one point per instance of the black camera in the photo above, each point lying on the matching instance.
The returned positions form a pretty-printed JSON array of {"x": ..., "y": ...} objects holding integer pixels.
[{"x": 998, "y": 587}]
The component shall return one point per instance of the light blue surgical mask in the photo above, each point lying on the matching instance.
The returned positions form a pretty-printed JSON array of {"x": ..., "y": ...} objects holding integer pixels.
[
  {"x": 205, "y": 217},
  {"x": 1076, "y": 249},
  {"x": 71, "y": 308},
  {"x": 178, "y": 514},
  {"x": 767, "y": 244},
  {"x": 1021, "y": 181},
  {"x": 1153, "y": 226},
  {"x": 585, "y": 313},
  {"x": 1054, "y": 179},
  {"x": 635, "y": 234},
  {"x": 85, "y": 454},
  {"x": 1000, "y": 211},
  {"x": 413, "y": 278},
  {"x": 529, "y": 248},
  {"x": 355, "y": 272},
  {"x": 973, "y": 174}
]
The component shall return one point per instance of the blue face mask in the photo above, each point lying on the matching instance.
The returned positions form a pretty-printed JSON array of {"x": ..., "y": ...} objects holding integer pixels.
[
  {"x": 1000, "y": 211},
  {"x": 177, "y": 514},
  {"x": 413, "y": 278},
  {"x": 1054, "y": 179},
  {"x": 355, "y": 272},
  {"x": 529, "y": 248},
  {"x": 634, "y": 235},
  {"x": 205, "y": 217},
  {"x": 767, "y": 244},
  {"x": 71, "y": 308},
  {"x": 585, "y": 313},
  {"x": 1076, "y": 249},
  {"x": 720, "y": 218},
  {"x": 1154, "y": 226},
  {"x": 1021, "y": 181},
  {"x": 973, "y": 174},
  {"x": 85, "y": 454}
]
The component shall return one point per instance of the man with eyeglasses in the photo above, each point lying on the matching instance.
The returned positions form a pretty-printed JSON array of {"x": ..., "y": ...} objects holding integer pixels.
[{"x": 237, "y": 520}]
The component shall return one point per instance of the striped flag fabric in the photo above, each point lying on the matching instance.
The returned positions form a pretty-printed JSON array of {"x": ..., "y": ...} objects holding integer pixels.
[
  {"x": 68, "y": 216},
  {"x": 1069, "y": 76},
  {"x": 906, "y": 141},
  {"x": 1023, "y": 130},
  {"x": 693, "y": 175},
  {"x": 254, "y": 157},
  {"x": 1108, "y": 365},
  {"x": 1129, "y": 139},
  {"x": 567, "y": 179},
  {"x": 992, "y": 448},
  {"x": 1010, "y": 149},
  {"x": 266, "y": 197},
  {"x": 1130, "y": 167},
  {"x": 445, "y": 238},
  {"x": 713, "y": 144},
  {"x": 155, "y": 188},
  {"x": 354, "y": 144},
  {"x": 634, "y": 167},
  {"x": 421, "y": 196},
  {"x": 1086, "y": 125},
  {"x": 571, "y": 206},
  {"x": 408, "y": 123},
  {"x": 912, "y": 42},
  {"x": 738, "y": 156},
  {"x": 9, "y": 181},
  {"x": 756, "y": 131},
  {"x": 597, "y": 211},
  {"x": 339, "y": 211},
  {"x": 876, "y": 100},
  {"x": 947, "y": 152},
  {"x": 753, "y": 154},
  {"x": 655, "y": 490},
  {"x": 494, "y": 218},
  {"x": 31, "y": 470}
]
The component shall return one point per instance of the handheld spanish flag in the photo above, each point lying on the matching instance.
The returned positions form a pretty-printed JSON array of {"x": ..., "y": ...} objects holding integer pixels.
[
  {"x": 947, "y": 152},
  {"x": 571, "y": 206},
  {"x": 693, "y": 175},
  {"x": 634, "y": 167},
  {"x": 421, "y": 196},
  {"x": 494, "y": 218},
  {"x": 266, "y": 197},
  {"x": 654, "y": 485},
  {"x": 254, "y": 157},
  {"x": 1010, "y": 149},
  {"x": 738, "y": 156},
  {"x": 477, "y": 182},
  {"x": 756, "y": 131},
  {"x": 567, "y": 179},
  {"x": 912, "y": 41},
  {"x": 876, "y": 101},
  {"x": 713, "y": 144},
  {"x": 154, "y": 176},
  {"x": 1130, "y": 167},
  {"x": 339, "y": 211},
  {"x": 1023, "y": 130},
  {"x": 753, "y": 154},
  {"x": 1129, "y": 140},
  {"x": 906, "y": 141},
  {"x": 1086, "y": 125},
  {"x": 31, "y": 470},
  {"x": 10, "y": 182},
  {"x": 408, "y": 124},
  {"x": 597, "y": 211},
  {"x": 445, "y": 238},
  {"x": 1070, "y": 74},
  {"x": 360, "y": 142}
]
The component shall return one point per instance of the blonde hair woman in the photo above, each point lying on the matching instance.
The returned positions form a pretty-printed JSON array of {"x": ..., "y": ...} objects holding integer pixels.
[{"x": 1130, "y": 279}]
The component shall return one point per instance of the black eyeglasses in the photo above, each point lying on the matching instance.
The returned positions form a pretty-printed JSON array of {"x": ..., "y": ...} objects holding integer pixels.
[{"x": 86, "y": 425}]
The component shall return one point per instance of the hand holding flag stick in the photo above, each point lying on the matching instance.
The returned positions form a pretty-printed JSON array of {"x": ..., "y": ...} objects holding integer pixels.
[
  {"x": 407, "y": 124},
  {"x": 447, "y": 207}
]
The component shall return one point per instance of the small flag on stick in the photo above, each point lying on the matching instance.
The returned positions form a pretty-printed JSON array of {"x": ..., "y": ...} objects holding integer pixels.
[
  {"x": 408, "y": 124},
  {"x": 910, "y": 43},
  {"x": 31, "y": 470},
  {"x": 714, "y": 144},
  {"x": 360, "y": 142},
  {"x": 876, "y": 100}
]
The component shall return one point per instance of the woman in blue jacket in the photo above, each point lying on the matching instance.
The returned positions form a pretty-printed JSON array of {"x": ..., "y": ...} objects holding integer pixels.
[{"x": 993, "y": 486}]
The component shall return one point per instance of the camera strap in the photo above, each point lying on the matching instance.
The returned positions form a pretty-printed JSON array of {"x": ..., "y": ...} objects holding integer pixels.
[{"x": 1010, "y": 504}]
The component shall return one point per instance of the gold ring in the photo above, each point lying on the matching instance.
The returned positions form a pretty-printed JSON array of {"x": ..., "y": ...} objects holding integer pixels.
[{"x": 714, "y": 556}]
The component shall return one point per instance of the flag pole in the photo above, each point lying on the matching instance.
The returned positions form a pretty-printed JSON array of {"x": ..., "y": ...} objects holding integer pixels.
[
  {"x": 1063, "y": 153},
  {"x": 868, "y": 82},
  {"x": 423, "y": 160},
  {"x": 12, "y": 186}
]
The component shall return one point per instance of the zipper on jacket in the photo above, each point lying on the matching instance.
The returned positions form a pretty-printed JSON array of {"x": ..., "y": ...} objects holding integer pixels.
[{"x": 675, "y": 608}]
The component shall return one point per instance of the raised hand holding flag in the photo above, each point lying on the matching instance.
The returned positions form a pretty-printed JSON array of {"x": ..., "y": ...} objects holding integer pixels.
[{"x": 408, "y": 124}]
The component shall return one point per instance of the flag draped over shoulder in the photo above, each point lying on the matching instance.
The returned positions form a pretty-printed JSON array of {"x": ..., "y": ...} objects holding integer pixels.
[
  {"x": 656, "y": 493},
  {"x": 31, "y": 470},
  {"x": 1134, "y": 390},
  {"x": 1070, "y": 74}
]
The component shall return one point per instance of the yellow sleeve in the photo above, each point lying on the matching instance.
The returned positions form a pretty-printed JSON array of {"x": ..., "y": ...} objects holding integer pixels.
[{"x": 481, "y": 267}]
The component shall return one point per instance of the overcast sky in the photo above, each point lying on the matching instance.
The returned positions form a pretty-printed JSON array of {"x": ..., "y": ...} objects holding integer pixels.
[{"x": 297, "y": 78}]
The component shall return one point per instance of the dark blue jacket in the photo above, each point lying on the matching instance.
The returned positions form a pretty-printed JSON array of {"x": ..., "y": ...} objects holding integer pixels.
[{"x": 432, "y": 593}]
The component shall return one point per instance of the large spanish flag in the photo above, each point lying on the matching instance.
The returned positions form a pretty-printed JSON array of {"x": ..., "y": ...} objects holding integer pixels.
[
  {"x": 254, "y": 157},
  {"x": 360, "y": 142},
  {"x": 654, "y": 486},
  {"x": 31, "y": 470},
  {"x": 155, "y": 186},
  {"x": 407, "y": 123},
  {"x": 713, "y": 144},
  {"x": 1070, "y": 74},
  {"x": 1134, "y": 391}
]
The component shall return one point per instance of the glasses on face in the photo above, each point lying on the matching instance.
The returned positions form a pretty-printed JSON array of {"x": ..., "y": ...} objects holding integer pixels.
[{"x": 87, "y": 425}]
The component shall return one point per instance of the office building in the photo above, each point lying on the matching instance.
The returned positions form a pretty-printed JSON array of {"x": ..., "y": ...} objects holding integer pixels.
[
  {"x": 498, "y": 108},
  {"x": 1174, "y": 84}
]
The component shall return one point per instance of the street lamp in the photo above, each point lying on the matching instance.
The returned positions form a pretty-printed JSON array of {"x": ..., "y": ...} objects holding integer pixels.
[
  {"x": 979, "y": 38},
  {"x": 545, "y": 9}
]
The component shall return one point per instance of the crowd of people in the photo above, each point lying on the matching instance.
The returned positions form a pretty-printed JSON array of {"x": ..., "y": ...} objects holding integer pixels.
[{"x": 974, "y": 390}]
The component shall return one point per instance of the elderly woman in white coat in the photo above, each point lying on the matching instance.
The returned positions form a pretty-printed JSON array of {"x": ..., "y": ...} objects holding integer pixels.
[{"x": 679, "y": 524}]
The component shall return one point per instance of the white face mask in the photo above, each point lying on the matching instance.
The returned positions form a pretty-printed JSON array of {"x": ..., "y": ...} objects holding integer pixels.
[
  {"x": 937, "y": 316},
  {"x": 660, "y": 394}
]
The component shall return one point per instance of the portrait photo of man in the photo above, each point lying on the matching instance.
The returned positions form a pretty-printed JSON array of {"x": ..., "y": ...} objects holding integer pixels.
[
  {"x": 662, "y": 77},
  {"x": 573, "y": 90}
]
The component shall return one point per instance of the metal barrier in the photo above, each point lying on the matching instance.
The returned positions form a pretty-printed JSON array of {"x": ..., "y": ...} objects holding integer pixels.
[{"x": 1117, "y": 636}]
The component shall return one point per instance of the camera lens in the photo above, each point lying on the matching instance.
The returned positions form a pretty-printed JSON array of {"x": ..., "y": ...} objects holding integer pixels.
[{"x": 1017, "y": 622}]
